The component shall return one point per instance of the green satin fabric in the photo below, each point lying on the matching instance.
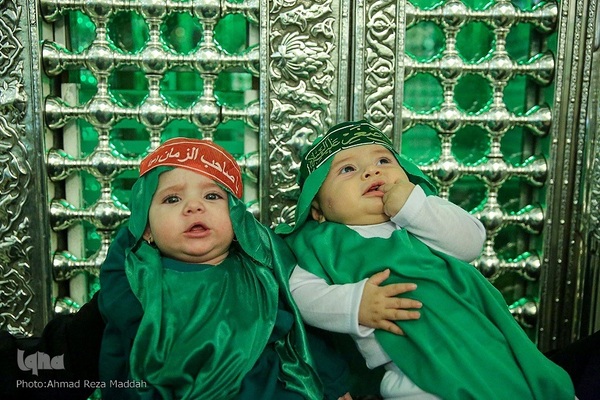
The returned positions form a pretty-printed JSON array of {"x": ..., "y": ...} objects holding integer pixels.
[
  {"x": 466, "y": 345},
  {"x": 202, "y": 331},
  {"x": 197, "y": 337},
  {"x": 275, "y": 376},
  {"x": 264, "y": 247}
]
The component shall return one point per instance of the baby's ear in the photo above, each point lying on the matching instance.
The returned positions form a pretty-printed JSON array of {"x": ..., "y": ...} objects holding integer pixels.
[
  {"x": 147, "y": 236},
  {"x": 315, "y": 212}
]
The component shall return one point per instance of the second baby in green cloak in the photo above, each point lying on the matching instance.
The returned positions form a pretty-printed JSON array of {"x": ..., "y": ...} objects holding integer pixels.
[{"x": 364, "y": 209}]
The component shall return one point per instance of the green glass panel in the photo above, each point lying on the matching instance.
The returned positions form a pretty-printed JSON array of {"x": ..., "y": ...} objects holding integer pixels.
[
  {"x": 527, "y": 5},
  {"x": 422, "y": 92},
  {"x": 82, "y": 31},
  {"x": 179, "y": 128},
  {"x": 230, "y": 33},
  {"x": 128, "y": 31},
  {"x": 470, "y": 144},
  {"x": 512, "y": 143},
  {"x": 91, "y": 189},
  {"x": 424, "y": 41},
  {"x": 472, "y": 93},
  {"x": 514, "y": 95},
  {"x": 231, "y": 87},
  {"x": 467, "y": 192},
  {"x": 89, "y": 137},
  {"x": 129, "y": 138},
  {"x": 421, "y": 144},
  {"x": 427, "y": 4},
  {"x": 128, "y": 88},
  {"x": 92, "y": 239},
  {"x": 182, "y": 32},
  {"x": 181, "y": 88},
  {"x": 88, "y": 85},
  {"x": 230, "y": 135},
  {"x": 476, "y": 4},
  {"x": 474, "y": 50},
  {"x": 518, "y": 42},
  {"x": 122, "y": 185}
]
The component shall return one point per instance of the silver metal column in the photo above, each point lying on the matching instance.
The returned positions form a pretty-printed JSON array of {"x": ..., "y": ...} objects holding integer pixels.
[{"x": 25, "y": 276}]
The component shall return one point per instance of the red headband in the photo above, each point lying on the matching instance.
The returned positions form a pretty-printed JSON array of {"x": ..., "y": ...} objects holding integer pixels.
[{"x": 198, "y": 155}]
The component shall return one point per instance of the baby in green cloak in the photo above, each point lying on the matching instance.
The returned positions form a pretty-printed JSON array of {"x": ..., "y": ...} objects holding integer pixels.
[
  {"x": 364, "y": 209},
  {"x": 201, "y": 307}
]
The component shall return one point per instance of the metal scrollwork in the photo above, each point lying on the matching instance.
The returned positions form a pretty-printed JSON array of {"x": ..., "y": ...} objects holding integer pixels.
[
  {"x": 16, "y": 293},
  {"x": 381, "y": 58},
  {"x": 302, "y": 81}
]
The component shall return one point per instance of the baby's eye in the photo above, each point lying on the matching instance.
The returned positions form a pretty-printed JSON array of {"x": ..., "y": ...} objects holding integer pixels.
[
  {"x": 346, "y": 169},
  {"x": 213, "y": 196},
  {"x": 171, "y": 199},
  {"x": 384, "y": 160}
]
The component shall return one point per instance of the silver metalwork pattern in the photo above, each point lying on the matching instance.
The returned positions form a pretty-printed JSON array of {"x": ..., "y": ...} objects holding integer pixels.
[
  {"x": 378, "y": 53},
  {"x": 20, "y": 274},
  {"x": 593, "y": 126},
  {"x": 66, "y": 265},
  {"x": 566, "y": 266},
  {"x": 525, "y": 312},
  {"x": 15, "y": 274},
  {"x": 305, "y": 64}
]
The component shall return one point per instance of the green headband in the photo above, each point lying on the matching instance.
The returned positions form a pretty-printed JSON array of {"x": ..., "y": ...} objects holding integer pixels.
[
  {"x": 340, "y": 137},
  {"x": 317, "y": 161}
]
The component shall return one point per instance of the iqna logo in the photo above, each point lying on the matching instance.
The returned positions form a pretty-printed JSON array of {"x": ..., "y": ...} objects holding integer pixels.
[{"x": 39, "y": 360}]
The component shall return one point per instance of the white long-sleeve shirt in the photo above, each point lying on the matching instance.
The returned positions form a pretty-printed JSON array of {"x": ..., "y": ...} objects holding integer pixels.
[{"x": 438, "y": 223}]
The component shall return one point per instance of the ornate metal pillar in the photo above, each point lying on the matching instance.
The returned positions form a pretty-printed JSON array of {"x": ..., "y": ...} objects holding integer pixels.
[
  {"x": 25, "y": 279},
  {"x": 570, "y": 300}
]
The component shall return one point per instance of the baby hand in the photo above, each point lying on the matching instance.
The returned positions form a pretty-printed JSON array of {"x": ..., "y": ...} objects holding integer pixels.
[
  {"x": 346, "y": 397},
  {"x": 379, "y": 306},
  {"x": 395, "y": 195}
]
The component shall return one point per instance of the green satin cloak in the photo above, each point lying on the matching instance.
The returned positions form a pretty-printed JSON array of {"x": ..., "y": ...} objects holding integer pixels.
[
  {"x": 202, "y": 331},
  {"x": 282, "y": 371},
  {"x": 466, "y": 345}
]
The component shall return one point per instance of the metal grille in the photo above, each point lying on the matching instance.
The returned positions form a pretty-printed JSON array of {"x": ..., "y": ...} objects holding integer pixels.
[{"x": 139, "y": 74}]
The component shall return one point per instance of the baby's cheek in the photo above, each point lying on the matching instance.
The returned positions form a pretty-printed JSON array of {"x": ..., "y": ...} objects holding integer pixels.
[{"x": 330, "y": 204}]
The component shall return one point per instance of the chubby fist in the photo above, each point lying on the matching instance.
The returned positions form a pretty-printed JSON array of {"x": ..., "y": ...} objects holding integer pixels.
[{"x": 395, "y": 195}]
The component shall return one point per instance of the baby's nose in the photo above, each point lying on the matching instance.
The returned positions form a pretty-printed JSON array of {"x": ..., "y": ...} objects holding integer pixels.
[
  {"x": 193, "y": 206},
  {"x": 370, "y": 171}
]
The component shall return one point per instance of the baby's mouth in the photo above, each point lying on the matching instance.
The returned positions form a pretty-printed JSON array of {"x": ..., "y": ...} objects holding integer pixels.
[
  {"x": 197, "y": 228},
  {"x": 374, "y": 187}
]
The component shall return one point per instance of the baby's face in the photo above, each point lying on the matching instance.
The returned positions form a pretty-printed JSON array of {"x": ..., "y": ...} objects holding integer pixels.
[
  {"x": 351, "y": 192},
  {"x": 189, "y": 218}
]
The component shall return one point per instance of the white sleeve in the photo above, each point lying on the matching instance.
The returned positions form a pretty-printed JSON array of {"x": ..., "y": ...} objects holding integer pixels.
[
  {"x": 330, "y": 307},
  {"x": 442, "y": 225}
]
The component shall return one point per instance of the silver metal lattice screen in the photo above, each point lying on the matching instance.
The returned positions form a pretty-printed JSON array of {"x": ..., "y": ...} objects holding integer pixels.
[{"x": 491, "y": 99}]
